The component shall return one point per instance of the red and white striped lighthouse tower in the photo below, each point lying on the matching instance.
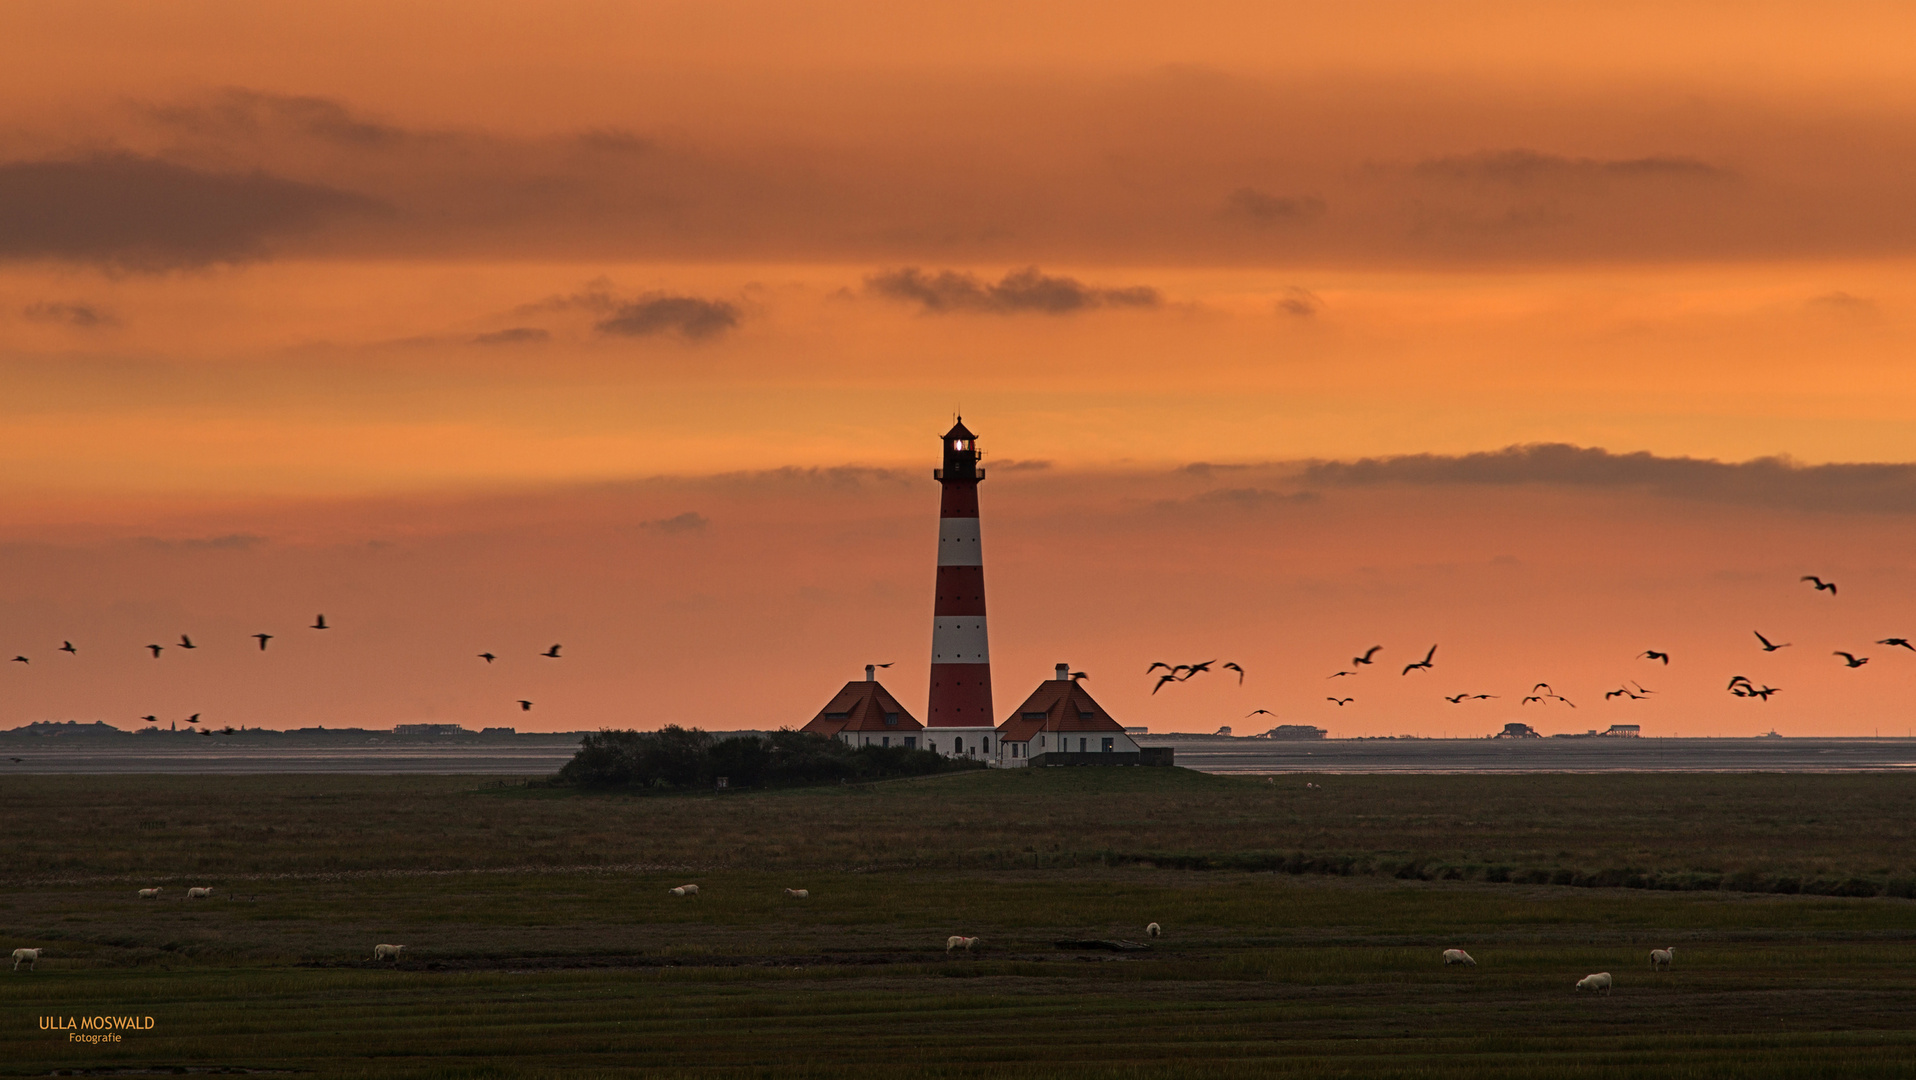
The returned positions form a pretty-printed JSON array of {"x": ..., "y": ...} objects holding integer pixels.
[{"x": 958, "y": 717}]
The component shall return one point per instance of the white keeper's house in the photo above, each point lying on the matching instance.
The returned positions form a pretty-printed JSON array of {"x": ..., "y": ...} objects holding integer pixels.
[
  {"x": 865, "y": 714},
  {"x": 1060, "y": 717}
]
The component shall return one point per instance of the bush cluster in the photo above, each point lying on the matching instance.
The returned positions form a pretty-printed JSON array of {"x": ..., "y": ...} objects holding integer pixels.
[{"x": 674, "y": 757}]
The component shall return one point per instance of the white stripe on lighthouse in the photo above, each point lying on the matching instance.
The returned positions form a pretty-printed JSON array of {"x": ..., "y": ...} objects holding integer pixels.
[
  {"x": 959, "y": 639},
  {"x": 958, "y": 542}
]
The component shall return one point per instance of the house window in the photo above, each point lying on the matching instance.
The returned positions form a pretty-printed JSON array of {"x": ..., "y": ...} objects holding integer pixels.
[
  {"x": 984, "y": 747},
  {"x": 891, "y": 719},
  {"x": 886, "y": 740},
  {"x": 1031, "y": 716},
  {"x": 911, "y": 742},
  {"x": 838, "y": 716},
  {"x": 1108, "y": 745},
  {"x": 1082, "y": 744},
  {"x": 1082, "y": 715},
  {"x": 958, "y": 744}
]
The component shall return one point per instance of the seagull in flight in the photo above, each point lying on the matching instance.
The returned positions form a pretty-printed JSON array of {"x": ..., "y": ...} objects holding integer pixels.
[
  {"x": 1341, "y": 701},
  {"x": 1366, "y": 658},
  {"x": 1532, "y": 698},
  {"x": 1851, "y": 660},
  {"x": 67, "y": 646},
  {"x": 524, "y": 705},
  {"x": 1161, "y": 664},
  {"x": 885, "y": 665},
  {"x": 21, "y": 660},
  {"x": 1904, "y": 642},
  {"x": 1424, "y": 663},
  {"x": 263, "y": 639},
  {"x": 1340, "y": 674},
  {"x": 1258, "y": 712},
  {"x": 487, "y": 657},
  {"x": 1075, "y": 676},
  {"x": 319, "y": 624},
  {"x": 1821, "y": 585},
  {"x": 1652, "y": 654},
  {"x": 151, "y": 719},
  {"x": 552, "y": 652},
  {"x": 1767, "y": 647},
  {"x": 187, "y": 642},
  {"x": 194, "y": 719},
  {"x": 1162, "y": 679},
  {"x": 1196, "y": 669},
  {"x": 1455, "y": 700},
  {"x": 1240, "y": 672},
  {"x": 156, "y": 650},
  {"x": 1763, "y": 693}
]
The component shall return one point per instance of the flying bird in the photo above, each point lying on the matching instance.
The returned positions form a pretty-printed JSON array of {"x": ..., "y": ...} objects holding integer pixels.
[
  {"x": 1340, "y": 674},
  {"x": 1159, "y": 664},
  {"x": 1258, "y": 712},
  {"x": 1239, "y": 670},
  {"x": 1455, "y": 700},
  {"x": 1196, "y": 669},
  {"x": 319, "y": 624},
  {"x": 1424, "y": 663},
  {"x": 263, "y": 639},
  {"x": 156, "y": 650},
  {"x": 1652, "y": 654},
  {"x": 1767, "y": 647},
  {"x": 187, "y": 642},
  {"x": 552, "y": 652},
  {"x": 194, "y": 719},
  {"x": 151, "y": 719},
  {"x": 524, "y": 705},
  {"x": 885, "y": 665},
  {"x": 1483, "y": 697},
  {"x": 1851, "y": 660},
  {"x": 1763, "y": 693},
  {"x": 1545, "y": 687},
  {"x": 1366, "y": 658},
  {"x": 21, "y": 660},
  {"x": 1162, "y": 679},
  {"x": 1821, "y": 585},
  {"x": 1341, "y": 701},
  {"x": 487, "y": 657},
  {"x": 67, "y": 646},
  {"x": 1075, "y": 676},
  {"x": 1532, "y": 698},
  {"x": 1904, "y": 642}
]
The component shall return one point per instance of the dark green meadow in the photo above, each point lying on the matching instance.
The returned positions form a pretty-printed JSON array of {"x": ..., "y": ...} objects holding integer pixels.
[{"x": 1302, "y": 927}]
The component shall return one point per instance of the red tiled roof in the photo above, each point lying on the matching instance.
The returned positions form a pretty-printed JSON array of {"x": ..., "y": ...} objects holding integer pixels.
[
  {"x": 861, "y": 706},
  {"x": 1066, "y": 707}
]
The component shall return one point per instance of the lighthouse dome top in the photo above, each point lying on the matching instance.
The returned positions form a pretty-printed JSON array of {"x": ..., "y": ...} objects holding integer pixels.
[{"x": 960, "y": 431}]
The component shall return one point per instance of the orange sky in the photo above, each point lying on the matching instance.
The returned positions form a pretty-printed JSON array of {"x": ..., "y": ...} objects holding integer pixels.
[{"x": 434, "y": 316}]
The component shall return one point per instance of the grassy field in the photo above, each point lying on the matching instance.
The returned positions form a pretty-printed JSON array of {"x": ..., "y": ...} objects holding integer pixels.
[{"x": 542, "y": 940}]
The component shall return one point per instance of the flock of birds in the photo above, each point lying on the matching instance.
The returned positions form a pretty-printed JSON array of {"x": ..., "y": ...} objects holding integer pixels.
[
  {"x": 1541, "y": 693},
  {"x": 319, "y": 623}
]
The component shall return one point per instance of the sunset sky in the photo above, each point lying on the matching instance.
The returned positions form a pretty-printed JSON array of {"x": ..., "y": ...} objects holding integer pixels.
[{"x": 1545, "y": 332}]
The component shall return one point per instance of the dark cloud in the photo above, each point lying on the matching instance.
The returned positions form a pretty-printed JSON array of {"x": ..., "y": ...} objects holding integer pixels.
[
  {"x": 690, "y": 521},
  {"x": 140, "y": 213},
  {"x": 1528, "y": 167},
  {"x": 658, "y": 313},
  {"x": 240, "y": 113},
  {"x": 1018, "y": 291},
  {"x": 1300, "y": 302},
  {"x": 85, "y": 316},
  {"x": 1770, "y": 481},
  {"x": 1263, "y": 208},
  {"x": 516, "y": 335}
]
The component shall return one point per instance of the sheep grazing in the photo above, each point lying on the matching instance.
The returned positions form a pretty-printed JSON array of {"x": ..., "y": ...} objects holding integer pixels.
[
  {"x": 387, "y": 952},
  {"x": 1598, "y": 983},
  {"x": 1153, "y": 930},
  {"x": 1661, "y": 958},
  {"x": 197, "y": 893},
  {"x": 686, "y": 890},
  {"x": 149, "y": 894},
  {"x": 798, "y": 894},
  {"x": 956, "y": 942},
  {"x": 1458, "y": 956},
  {"x": 29, "y": 957}
]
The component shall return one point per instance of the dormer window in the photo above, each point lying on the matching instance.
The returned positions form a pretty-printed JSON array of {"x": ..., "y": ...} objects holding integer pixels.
[
  {"x": 891, "y": 719},
  {"x": 838, "y": 716}
]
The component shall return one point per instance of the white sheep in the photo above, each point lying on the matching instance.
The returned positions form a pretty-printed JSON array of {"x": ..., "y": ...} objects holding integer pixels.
[
  {"x": 150, "y": 894},
  {"x": 1598, "y": 983},
  {"x": 956, "y": 942},
  {"x": 387, "y": 952},
  {"x": 196, "y": 892},
  {"x": 1661, "y": 958},
  {"x": 1458, "y": 956},
  {"x": 798, "y": 894},
  {"x": 686, "y": 890},
  {"x": 1153, "y": 930},
  {"x": 29, "y": 957}
]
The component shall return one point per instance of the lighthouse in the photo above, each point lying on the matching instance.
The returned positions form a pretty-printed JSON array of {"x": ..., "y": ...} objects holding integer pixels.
[{"x": 958, "y": 720}]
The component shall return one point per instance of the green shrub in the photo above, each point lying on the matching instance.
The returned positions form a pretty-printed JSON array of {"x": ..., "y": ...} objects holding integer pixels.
[{"x": 674, "y": 757}]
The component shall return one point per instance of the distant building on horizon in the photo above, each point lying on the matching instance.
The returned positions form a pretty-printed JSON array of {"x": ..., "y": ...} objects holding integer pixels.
[
  {"x": 864, "y": 713},
  {"x": 1297, "y": 731},
  {"x": 419, "y": 729},
  {"x": 1518, "y": 731}
]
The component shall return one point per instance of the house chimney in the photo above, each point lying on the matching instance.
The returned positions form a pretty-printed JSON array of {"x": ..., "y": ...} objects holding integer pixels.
[
  {"x": 1064, "y": 672},
  {"x": 871, "y": 672}
]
